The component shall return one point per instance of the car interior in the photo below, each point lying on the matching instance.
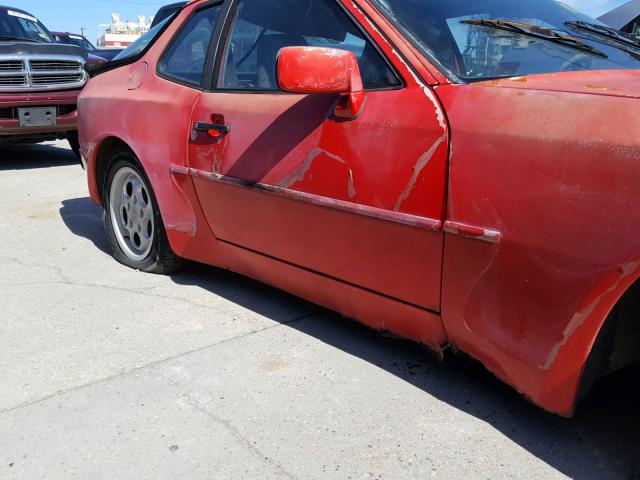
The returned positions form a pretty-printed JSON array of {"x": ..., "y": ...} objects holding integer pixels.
[{"x": 260, "y": 32}]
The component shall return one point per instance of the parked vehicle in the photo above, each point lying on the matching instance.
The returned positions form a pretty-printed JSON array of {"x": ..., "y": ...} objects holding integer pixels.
[
  {"x": 80, "y": 41},
  {"x": 463, "y": 173},
  {"x": 39, "y": 82}
]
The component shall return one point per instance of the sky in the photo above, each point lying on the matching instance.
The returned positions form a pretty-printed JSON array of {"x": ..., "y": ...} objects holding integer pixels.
[
  {"x": 70, "y": 15},
  {"x": 595, "y": 8}
]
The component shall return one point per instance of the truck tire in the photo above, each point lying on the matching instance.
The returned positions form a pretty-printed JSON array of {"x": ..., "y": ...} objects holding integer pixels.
[{"x": 72, "y": 138}]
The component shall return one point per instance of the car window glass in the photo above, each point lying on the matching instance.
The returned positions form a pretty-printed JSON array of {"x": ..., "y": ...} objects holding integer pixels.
[
  {"x": 185, "y": 58},
  {"x": 261, "y": 29},
  {"x": 142, "y": 43},
  {"x": 22, "y": 25},
  {"x": 33, "y": 30},
  {"x": 463, "y": 37},
  {"x": 79, "y": 42}
]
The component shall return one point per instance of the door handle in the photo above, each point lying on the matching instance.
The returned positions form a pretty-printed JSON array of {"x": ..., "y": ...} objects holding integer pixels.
[{"x": 213, "y": 129}]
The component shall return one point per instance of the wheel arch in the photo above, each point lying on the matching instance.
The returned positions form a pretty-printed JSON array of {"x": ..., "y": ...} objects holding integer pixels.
[
  {"x": 576, "y": 362},
  {"x": 617, "y": 344},
  {"x": 187, "y": 230},
  {"x": 103, "y": 156}
]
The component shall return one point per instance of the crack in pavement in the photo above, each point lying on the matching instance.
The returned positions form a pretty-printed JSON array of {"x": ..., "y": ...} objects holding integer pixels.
[
  {"x": 57, "y": 270},
  {"x": 235, "y": 432},
  {"x": 195, "y": 403},
  {"x": 144, "y": 291},
  {"x": 151, "y": 365}
]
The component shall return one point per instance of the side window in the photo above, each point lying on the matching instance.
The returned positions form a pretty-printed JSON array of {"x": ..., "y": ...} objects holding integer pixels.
[
  {"x": 262, "y": 28},
  {"x": 186, "y": 56}
]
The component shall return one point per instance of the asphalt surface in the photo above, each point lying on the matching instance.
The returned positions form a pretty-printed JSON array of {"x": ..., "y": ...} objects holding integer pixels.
[{"x": 108, "y": 373}]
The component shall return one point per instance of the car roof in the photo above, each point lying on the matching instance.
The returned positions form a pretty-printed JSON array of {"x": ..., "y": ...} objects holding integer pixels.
[
  {"x": 68, "y": 34},
  {"x": 165, "y": 11},
  {"x": 15, "y": 9},
  {"x": 621, "y": 16}
]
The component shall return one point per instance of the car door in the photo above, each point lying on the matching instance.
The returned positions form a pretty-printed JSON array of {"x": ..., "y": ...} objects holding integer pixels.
[{"x": 360, "y": 201}]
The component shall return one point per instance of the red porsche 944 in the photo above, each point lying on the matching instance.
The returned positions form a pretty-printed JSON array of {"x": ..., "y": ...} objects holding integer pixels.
[{"x": 463, "y": 173}]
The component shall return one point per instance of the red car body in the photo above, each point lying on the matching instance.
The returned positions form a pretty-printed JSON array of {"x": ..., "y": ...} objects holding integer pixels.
[{"x": 500, "y": 217}]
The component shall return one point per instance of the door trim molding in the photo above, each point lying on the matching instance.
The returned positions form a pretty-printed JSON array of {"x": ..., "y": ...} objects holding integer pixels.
[
  {"x": 334, "y": 204},
  {"x": 473, "y": 232}
]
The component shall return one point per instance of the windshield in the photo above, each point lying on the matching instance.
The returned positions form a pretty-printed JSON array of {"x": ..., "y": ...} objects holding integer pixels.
[
  {"x": 16, "y": 25},
  {"x": 77, "y": 41},
  {"x": 143, "y": 42},
  {"x": 464, "y": 38}
]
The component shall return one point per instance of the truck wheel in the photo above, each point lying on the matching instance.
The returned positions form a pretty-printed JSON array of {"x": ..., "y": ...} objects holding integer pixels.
[
  {"x": 72, "y": 138},
  {"x": 132, "y": 220}
]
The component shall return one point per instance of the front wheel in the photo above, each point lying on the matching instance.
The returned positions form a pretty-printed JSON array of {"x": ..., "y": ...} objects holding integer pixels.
[{"x": 132, "y": 219}]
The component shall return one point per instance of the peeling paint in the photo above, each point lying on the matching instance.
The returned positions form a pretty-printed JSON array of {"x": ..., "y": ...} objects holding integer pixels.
[
  {"x": 350, "y": 207},
  {"x": 420, "y": 165},
  {"x": 426, "y": 90},
  {"x": 188, "y": 223},
  {"x": 205, "y": 153},
  {"x": 299, "y": 174},
  {"x": 88, "y": 150},
  {"x": 470, "y": 231},
  {"x": 570, "y": 329},
  {"x": 630, "y": 268},
  {"x": 608, "y": 285}
]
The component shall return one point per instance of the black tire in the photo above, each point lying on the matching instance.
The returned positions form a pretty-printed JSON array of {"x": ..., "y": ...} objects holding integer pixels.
[
  {"x": 160, "y": 259},
  {"x": 72, "y": 138}
]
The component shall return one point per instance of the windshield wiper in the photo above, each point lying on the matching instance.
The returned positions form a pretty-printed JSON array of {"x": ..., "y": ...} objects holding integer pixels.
[
  {"x": 536, "y": 32},
  {"x": 13, "y": 37},
  {"x": 605, "y": 32}
]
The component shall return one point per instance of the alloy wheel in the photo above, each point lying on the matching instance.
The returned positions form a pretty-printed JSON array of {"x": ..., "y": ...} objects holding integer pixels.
[{"x": 131, "y": 212}]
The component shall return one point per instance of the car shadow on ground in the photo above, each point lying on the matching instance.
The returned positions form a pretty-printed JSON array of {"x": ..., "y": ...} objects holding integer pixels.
[
  {"x": 22, "y": 157},
  {"x": 601, "y": 441},
  {"x": 83, "y": 218}
]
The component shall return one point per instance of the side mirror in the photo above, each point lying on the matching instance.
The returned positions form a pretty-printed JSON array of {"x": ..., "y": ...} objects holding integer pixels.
[{"x": 310, "y": 70}]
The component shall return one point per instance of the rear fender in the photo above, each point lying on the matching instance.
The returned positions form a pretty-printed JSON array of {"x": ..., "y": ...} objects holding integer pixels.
[{"x": 187, "y": 230}]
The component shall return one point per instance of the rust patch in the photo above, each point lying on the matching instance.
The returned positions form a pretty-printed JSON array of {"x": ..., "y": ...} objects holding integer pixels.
[
  {"x": 487, "y": 83},
  {"x": 600, "y": 88}
]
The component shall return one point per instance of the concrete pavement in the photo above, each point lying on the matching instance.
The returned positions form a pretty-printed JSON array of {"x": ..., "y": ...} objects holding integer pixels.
[{"x": 115, "y": 374}]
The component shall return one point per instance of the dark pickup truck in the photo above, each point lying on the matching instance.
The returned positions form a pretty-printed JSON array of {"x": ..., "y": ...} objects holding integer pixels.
[{"x": 39, "y": 82}]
